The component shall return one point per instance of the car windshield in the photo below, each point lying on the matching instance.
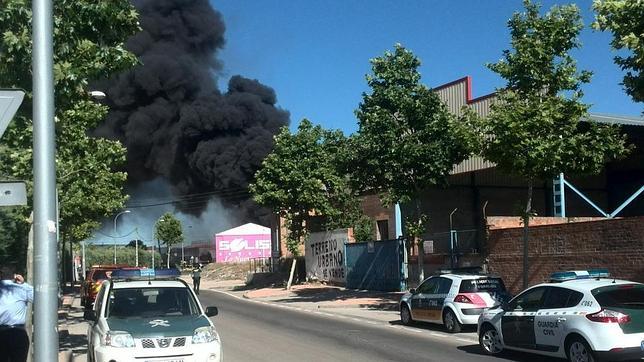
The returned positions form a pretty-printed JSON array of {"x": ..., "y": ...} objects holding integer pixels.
[
  {"x": 490, "y": 285},
  {"x": 99, "y": 275},
  {"x": 629, "y": 296},
  {"x": 151, "y": 302}
]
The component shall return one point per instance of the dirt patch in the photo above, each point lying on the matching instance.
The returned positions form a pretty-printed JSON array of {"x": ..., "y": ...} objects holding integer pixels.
[{"x": 225, "y": 271}]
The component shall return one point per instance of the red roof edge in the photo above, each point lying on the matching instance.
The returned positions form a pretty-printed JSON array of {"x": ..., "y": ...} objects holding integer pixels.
[{"x": 468, "y": 89}]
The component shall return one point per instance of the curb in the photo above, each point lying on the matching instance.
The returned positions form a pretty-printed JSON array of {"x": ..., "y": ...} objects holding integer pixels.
[{"x": 359, "y": 306}]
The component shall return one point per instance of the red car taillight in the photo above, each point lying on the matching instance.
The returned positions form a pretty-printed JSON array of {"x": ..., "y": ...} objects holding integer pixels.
[
  {"x": 462, "y": 299},
  {"x": 609, "y": 316}
]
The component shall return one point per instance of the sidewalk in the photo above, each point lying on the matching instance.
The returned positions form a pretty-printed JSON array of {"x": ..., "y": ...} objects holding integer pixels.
[
  {"x": 371, "y": 305},
  {"x": 72, "y": 328}
]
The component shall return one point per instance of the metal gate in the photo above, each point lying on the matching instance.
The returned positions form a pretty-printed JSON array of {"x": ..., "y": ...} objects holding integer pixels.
[{"x": 375, "y": 265}]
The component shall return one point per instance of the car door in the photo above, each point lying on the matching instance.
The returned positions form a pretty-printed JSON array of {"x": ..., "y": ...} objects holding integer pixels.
[
  {"x": 96, "y": 329},
  {"x": 437, "y": 299},
  {"x": 421, "y": 299},
  {"x": 517, "y": 323},
  {"x": 550, "y": 321}
]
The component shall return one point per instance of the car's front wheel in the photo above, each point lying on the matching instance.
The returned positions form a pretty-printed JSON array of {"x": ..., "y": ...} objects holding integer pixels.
[
  {"x": 450, "y": 322},
  {"x": 578, "y": 350},
  {"x": 490, "y": 341},
  {"x": 405, "y": 315}
]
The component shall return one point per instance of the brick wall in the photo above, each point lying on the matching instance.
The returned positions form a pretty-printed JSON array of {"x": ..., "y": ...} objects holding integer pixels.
[
  {"x": 372, "y": 207},
  {"x": 616, "y": 244}
]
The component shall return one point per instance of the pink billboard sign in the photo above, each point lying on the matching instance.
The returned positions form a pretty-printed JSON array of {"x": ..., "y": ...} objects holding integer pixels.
[{"x": 236, "y": 248}]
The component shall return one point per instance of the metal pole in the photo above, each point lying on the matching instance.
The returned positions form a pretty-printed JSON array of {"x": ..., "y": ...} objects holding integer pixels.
[
  {"x": 562, "y": 195},
  {"x": 115, "y": 233},
  {"x": 83, "y": 258},
  {"x": 153, "y": 255},
  {"x": 45, "y": 263},
  {"x": 451, "y": 239}
]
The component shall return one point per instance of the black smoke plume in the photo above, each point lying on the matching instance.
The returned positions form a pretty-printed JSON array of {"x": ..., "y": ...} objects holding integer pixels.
[{"x": 171, "y": 116}]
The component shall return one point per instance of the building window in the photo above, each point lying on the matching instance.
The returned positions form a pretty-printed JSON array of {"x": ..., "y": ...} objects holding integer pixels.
[{"x": 383, "y": 229}]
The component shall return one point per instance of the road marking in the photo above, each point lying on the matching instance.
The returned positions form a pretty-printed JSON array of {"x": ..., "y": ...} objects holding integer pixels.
[{"x": 438, "y": 334}]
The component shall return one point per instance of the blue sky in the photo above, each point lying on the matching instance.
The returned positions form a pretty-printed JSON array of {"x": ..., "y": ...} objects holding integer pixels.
[{"x": 315, "y": 54}]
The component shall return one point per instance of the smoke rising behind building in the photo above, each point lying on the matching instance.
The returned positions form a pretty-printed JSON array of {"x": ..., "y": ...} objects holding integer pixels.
[{"x": 174, "y": 121}]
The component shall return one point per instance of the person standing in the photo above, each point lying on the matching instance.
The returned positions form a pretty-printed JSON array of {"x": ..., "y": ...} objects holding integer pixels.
[
  {"x": 196, "y": 278},
  {"x": 15, "y": 295}
]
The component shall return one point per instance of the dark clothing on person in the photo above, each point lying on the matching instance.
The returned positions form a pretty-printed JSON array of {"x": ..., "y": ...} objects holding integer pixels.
[
  {"x": 14, "y": 297},
  {"x": 196, "y": 279},
  {"x": 14, "y": 344}
]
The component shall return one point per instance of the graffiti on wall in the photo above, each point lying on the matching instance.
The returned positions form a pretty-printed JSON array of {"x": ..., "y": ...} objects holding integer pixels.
[{"x": 324, "y": 255}]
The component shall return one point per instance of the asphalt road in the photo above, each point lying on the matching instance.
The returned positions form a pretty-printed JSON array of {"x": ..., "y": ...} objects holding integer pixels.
[{"x": 255, "y": 331}]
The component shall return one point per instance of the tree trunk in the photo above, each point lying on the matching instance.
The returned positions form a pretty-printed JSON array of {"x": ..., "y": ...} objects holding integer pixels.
[
  {"x": 526, "y": 225},
  {"x": 290, "y": 278},
  {"x": 419, "y": 242},
  {"x": 168, "y": 255},
  {"x": 160, "y": 254}
]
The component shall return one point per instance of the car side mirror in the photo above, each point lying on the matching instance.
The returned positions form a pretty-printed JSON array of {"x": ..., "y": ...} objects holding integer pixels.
[
  {"x": 412, "y": 290},
  {"x": 89, "y": 315},
  {"x": 212, "y": 311}
]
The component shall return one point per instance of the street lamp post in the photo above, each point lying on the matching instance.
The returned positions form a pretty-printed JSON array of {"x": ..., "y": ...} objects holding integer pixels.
[{"x": 115, "y": 234}]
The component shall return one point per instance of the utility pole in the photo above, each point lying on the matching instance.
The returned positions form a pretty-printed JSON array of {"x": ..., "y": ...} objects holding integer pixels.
[
  {"x": 44, "y": 169},
  {"x": 115, "y": 233}
]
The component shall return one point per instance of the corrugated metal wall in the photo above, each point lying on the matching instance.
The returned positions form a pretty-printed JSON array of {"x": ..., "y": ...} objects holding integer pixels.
[{"x": 455, "y": 96}]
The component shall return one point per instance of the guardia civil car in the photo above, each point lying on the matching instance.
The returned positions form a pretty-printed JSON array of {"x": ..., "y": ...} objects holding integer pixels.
[
  {"x": 452, "y": 299},
  {"x": 150, "y": 315},
  {"x": 579, "y": 315}
]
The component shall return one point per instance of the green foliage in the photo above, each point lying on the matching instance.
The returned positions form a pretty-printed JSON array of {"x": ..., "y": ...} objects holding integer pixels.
[
  {"x": 625, "y": 19},
  {"x": 416, "y": 227},
  {"x": 302, "y": 178},
  {"x": 104, "y": 254},
  {"x": 534, "y": 129},
  {"x": 88, "y": 45},
  {"x": 168, "y": 230},
  {"x": 363, "y": 229},
  {"x": 12, "y": 223},
  {"x": 407, "y": 139}
]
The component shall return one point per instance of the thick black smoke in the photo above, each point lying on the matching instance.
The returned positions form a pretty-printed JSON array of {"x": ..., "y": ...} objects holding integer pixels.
[{"x": 172, "y": 118}]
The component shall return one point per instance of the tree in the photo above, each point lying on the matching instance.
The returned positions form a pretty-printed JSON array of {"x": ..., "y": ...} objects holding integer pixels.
[
  {"x": 407, "y": 139},
  {"x": 301, "y": 179},
  {"x": 88, "y": 45},
  {"x": 535, "y": 129},
  {"x": 625, "y": 19},
  {"x": 168, "y": 231},
  {"x": 135, "y": 243}
]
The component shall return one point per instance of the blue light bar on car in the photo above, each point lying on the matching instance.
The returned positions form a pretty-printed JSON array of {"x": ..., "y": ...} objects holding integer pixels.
[
  {"x": 579, "y": 274},
  {"x": 145, "y": 273}
]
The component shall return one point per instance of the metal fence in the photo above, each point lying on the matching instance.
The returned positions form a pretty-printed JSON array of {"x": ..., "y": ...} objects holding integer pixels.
[
  {"x": 264, "y": 265},
  {"x": 375, "y": 265}
]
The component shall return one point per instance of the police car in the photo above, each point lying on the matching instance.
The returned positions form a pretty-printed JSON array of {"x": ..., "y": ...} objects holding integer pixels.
[
  {"x": 150, "y": 315},
  {"x": 452, "y": 299},
  {"x": 579, "y": 315}
]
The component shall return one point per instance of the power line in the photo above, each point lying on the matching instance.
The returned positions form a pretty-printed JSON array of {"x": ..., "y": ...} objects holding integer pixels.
[{"x": 196, "y": 201}]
